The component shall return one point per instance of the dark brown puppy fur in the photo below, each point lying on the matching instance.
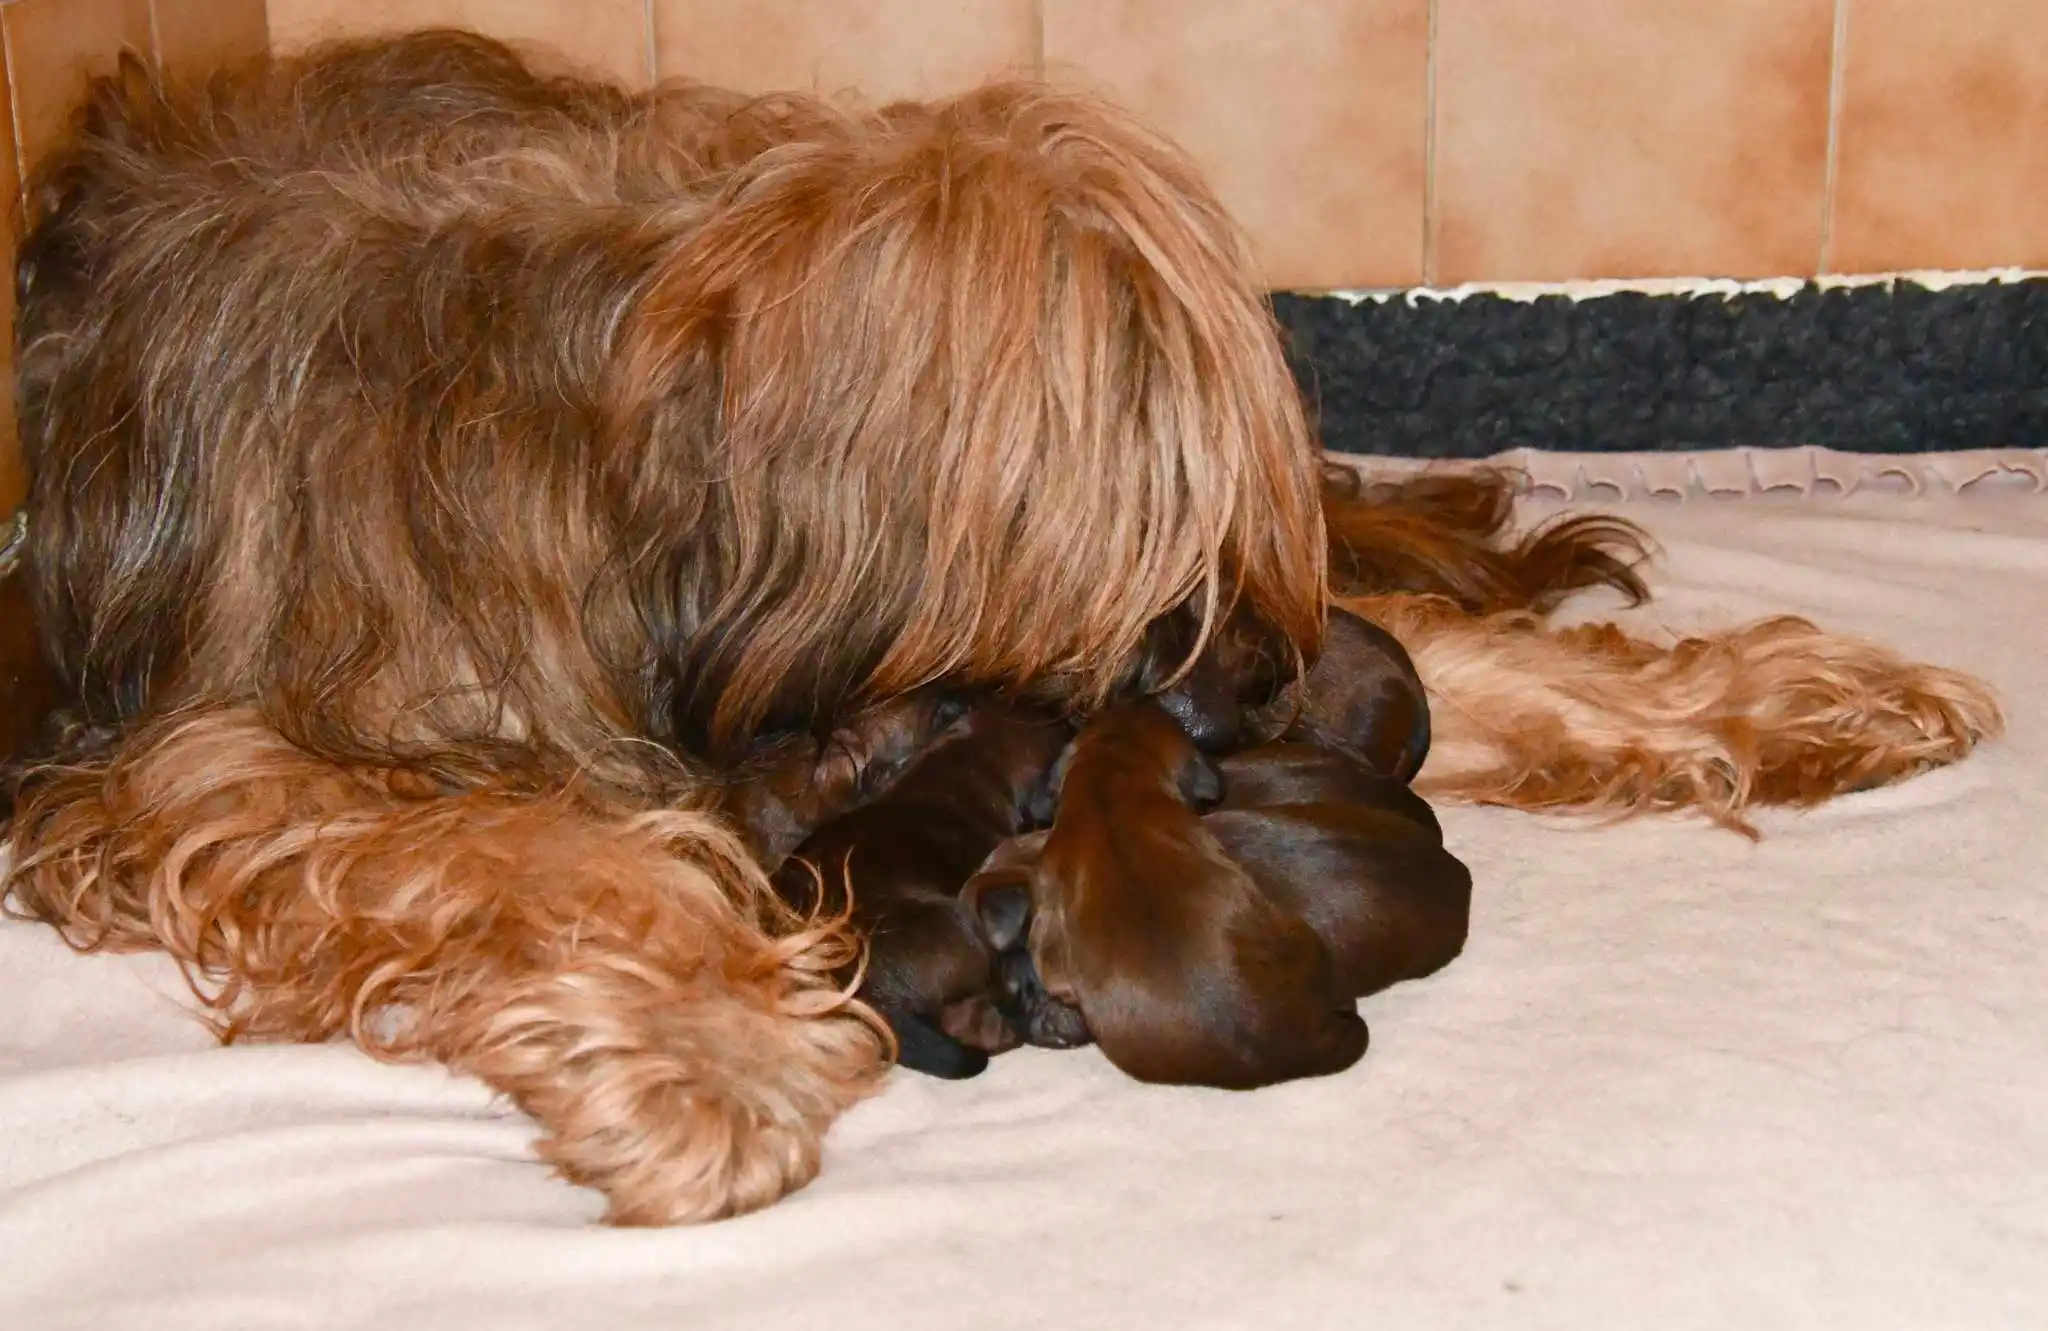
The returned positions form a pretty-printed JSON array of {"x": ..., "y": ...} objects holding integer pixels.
[
  {"x": 1358, "y": 855},
  {"x": 1183, "y": 969},
  {"x": 1209, "y": 693},
  {"x": 904, "y": 858},
  {"x": 1298, "y": 772},
  {"x": 1362, "y": 694},
  {"x": 1362, "y": 697}
]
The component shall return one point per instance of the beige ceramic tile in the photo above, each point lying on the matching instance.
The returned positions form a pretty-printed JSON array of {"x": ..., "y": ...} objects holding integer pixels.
[
  {"x": 199, "y": 35},
  {"x": 1630, "y": 138},
  {"x": 605, "y": 36},
  {"x": 13, "y": 481},
  {"x": 1309, "y": 125},
  {"x": 1941, "y": 154},
  {"x": 872, "y": 49},
  {"x": 52, "y": 47}
]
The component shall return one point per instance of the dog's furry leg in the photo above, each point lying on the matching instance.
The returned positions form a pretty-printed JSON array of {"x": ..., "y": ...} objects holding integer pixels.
[
  {"x": 625, "y": 977},
  {"x": 1592, "y": 720}
]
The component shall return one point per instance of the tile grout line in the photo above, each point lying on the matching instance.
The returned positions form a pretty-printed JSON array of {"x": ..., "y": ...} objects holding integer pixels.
[
  {"x": 647, "y": 38},
  {"x": 1429, "y": 257},
  {"x": 1038, "y": 39},
  {"x": 1838, "y": 62}
]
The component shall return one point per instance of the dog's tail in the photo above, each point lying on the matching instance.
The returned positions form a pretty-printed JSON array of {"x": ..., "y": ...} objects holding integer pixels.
[
  {"x": 1448, "y": 534},
  {"x": 625, "y": 977}
]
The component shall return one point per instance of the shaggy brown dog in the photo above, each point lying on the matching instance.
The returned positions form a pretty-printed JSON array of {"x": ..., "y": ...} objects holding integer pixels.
[
  {"x": 1182, "y": 969},
  {"x": 904, "y": 856},
  {"x": 445, "y": 479}
]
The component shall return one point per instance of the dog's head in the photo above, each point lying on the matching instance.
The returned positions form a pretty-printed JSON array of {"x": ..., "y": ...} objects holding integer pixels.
[{"x": 970, "y": 390}]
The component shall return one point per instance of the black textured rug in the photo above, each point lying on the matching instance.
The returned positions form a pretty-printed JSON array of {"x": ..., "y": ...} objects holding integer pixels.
[{"x": 1894, "y": 368}]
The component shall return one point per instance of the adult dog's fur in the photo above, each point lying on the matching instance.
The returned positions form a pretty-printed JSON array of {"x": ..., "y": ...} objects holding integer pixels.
[
  {"x": 442, "y": 475},
  {"x": 1183, "y": 970},
  {"x": 448, "y": 480},
  {"x": 904, "y": 856},
  {"x": 1593, "y": 720}
]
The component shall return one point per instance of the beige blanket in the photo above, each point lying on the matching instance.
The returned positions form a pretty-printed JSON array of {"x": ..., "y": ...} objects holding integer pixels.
[{"x": 1677, "y": 1081}]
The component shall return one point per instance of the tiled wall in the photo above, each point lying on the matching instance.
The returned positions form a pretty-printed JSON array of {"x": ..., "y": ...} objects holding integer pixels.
[
  {"x": 1396, "y": 142},
  {"x": 1363, "y": 142},
  {"x": 47, "y": 48}
]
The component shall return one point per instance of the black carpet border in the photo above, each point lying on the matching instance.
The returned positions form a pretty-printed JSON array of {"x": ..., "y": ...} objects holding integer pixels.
[{"x": 1883, "y": 368}]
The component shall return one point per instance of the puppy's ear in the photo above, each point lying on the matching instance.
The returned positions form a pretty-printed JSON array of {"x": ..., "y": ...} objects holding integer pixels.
[
  {"x": 1201, "y": 782},
  {"x": 1003, "y": 908}
]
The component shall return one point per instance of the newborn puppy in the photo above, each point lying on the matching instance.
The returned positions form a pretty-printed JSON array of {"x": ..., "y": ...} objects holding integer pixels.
[
  {"x": 799, "y": 783},
  {"x": 905, "y": 857},
  {"x": 1362, "y": 697},
  {"x": 1357, "y": 855},
  {"x": 1183, "y": 970}
]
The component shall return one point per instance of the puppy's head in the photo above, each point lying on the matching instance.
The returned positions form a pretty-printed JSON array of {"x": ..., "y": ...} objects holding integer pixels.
[
  {"x": 1362, "y": 696},
  {"x": 1207, "y": 684},
  {"x": 971, "y": 390}
]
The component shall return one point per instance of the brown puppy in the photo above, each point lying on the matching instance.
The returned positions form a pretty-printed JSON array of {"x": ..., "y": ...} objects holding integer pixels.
[
  {"x": 905, "y": 857},
  {"x": 1362, "y": 697},
  {"x": 1183, "y": 970},
  {"x": 798, "y": 784},
  {"x": 1358, "y": 855}
]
